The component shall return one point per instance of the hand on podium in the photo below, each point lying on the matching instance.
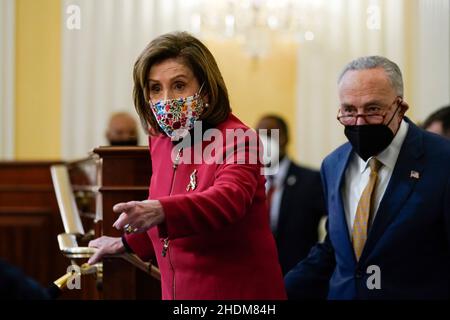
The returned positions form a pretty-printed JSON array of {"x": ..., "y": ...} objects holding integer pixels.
[{"x": 105, "y": 246}]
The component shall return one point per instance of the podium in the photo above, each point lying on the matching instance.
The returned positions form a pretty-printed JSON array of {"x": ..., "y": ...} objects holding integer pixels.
[
  {"x": 124, "y": 175},
  {"x": 30, "y": 219}
]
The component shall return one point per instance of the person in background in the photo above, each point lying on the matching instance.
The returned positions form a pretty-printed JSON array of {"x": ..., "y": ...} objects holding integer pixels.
[
  {"x": 207, "y": 222},
  {"x": 439, "y": 122},
  {"x": 122, "y": 130},
  {"x": 387, "y": 192},
  {"x": 15, "y": 285},
  {"x": 295, "y": 200}
]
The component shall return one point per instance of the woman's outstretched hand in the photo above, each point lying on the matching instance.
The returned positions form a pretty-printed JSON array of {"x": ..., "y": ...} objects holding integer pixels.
[{"x": 138, "y": 216}]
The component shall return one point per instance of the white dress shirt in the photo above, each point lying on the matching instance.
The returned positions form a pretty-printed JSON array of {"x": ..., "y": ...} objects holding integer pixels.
[
  {"x": 357, "y": 176},
  {"x": 278, "y": 181}
]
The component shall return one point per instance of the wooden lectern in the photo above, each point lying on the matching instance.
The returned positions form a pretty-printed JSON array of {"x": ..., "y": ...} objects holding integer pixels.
[
  {"x": 30, "y": 219},
  {"x": 124, "y": 175}
]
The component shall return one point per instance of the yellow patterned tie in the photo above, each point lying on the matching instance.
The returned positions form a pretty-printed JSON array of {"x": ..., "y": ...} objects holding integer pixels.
[{"x": 363, "y": 214}]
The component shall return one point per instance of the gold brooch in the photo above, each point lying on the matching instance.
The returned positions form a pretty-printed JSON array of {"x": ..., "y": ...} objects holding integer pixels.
[{"x": 192, "y": 181}]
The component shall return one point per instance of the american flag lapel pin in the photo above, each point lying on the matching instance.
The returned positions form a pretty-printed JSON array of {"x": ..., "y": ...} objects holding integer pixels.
[
  {"x": 414, "y": 174},
  {"x": 192, "y": 181}
]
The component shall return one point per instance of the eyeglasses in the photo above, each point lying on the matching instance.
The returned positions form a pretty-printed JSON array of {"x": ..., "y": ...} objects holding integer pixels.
[{"x": 372, "y": 116}]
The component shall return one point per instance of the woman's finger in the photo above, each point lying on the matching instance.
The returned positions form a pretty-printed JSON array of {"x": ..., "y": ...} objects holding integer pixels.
[
  {"x": 96, "y": 257},
  {"x": 124, "y": 206},
  {"x": 121, "y": 221}
]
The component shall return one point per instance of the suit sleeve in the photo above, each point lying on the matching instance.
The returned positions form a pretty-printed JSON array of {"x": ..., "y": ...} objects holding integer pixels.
[
  {"x": 309, "y": 279},
  {"x": 320, "y": 199},
  {"x": 223, "y": 204},
  {"x": 447, "y": 210}
]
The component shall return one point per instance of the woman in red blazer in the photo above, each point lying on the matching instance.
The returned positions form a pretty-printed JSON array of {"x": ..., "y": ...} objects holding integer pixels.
[{"x": 206, "y": 220}]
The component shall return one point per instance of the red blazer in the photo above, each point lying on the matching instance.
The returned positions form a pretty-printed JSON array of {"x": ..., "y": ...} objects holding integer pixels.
[{"x": 217, "y": 237}]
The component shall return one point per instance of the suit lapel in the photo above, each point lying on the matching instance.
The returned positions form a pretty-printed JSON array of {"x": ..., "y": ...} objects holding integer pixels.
[
  {"x": 340, "y": 168},
  {"x": 400, "y": 186},
  {"x": 284, "y": 205}
]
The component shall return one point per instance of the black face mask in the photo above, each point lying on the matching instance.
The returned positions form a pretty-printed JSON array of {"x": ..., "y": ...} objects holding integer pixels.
[
  {"x": 369, "y": 140},
  {"x": 129, "y": 142}
]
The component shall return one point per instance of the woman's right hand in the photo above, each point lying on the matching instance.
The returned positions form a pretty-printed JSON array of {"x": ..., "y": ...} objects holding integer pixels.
[{"x": 105, "y": 246}]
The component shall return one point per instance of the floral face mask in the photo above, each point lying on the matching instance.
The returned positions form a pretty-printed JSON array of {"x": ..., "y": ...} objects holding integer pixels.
[{"x": 177, "y": 116}]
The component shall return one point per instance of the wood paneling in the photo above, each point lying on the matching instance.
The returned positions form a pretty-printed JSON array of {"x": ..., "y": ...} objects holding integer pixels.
[{"x": 30, "y": 220}]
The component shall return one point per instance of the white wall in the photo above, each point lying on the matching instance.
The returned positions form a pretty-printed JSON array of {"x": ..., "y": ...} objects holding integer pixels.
[{"x": 7, "y": 68}]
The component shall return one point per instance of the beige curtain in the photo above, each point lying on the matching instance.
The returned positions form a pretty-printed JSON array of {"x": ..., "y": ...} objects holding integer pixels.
[
  {"x": 430, "y": 57},
  {"x": 98, "y": 60},
  {"x": 7, "y": 27},
  {"x": 413, "y": 33}
]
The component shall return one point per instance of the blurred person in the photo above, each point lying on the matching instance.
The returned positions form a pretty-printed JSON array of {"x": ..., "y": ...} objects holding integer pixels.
[
  {"x": 295, "y": 199},
  {"x": 439, "y": 122},
  {"x": 122, "y": 130},
  {"x": 15, "y": 285}
]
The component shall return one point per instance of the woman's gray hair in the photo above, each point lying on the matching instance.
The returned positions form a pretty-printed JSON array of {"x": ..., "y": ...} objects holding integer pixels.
[{"x": 371, "y": 62}]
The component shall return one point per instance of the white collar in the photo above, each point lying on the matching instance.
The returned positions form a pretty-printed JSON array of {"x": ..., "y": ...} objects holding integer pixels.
[
  {"x": 388, "y": 157},
  {"x": 283, "y": 168}
]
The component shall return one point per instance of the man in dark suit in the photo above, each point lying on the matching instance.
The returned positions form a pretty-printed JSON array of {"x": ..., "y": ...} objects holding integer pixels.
[
  {"x": 388, "y": 197},
  {"x": 295, "y": 199}
]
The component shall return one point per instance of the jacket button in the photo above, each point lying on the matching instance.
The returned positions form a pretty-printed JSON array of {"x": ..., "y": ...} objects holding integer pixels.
[{"x": 358, "y": 274}]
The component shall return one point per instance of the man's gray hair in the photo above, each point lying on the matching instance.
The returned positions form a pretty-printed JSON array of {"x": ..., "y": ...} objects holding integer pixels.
[{"x": 372, "y": 62}]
